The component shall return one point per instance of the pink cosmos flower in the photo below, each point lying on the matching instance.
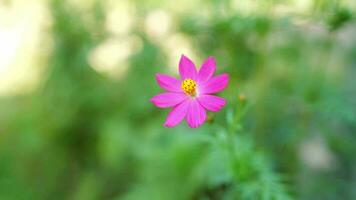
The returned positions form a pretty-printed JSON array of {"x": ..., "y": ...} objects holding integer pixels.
[{"x": 191, "y": 96}]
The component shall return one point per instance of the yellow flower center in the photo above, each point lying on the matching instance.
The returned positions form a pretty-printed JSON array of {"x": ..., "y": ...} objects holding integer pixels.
[{"x": 189, "y": 86}]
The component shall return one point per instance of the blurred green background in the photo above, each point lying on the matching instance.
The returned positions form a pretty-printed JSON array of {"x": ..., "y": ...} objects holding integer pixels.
[{"x": 76, "y": 77}]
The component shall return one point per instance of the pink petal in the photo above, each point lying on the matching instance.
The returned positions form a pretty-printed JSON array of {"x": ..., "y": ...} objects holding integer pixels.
[
  {"x": 169, "y": 99},
  {"x": 187, "y": 68},
  {"x": 212, "y": 103},
  {"x": 215, "y": 84},
  {"x": 196, "y": 114},
  {"x": 169, "y": 83},
  {"x": 207, "y": 70},
  {"x": 177, "y": 114}
]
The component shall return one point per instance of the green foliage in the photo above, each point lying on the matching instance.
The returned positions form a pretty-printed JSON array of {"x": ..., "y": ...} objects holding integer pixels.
[{"x": 83, "y": 135}]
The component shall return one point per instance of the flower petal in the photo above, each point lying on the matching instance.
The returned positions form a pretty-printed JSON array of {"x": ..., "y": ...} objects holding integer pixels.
[
  {"x": 215, "y": 84},
  {"x": 207, "y": 70},
  {"x": 169, "y": 83},
  {"x": 177, "y": 114},
  {"x": 187, "y": 68},
  {"x": 196, "y": 115},
  {"x": 170, "y": 99},
  {"x": 212, "y": 103}
]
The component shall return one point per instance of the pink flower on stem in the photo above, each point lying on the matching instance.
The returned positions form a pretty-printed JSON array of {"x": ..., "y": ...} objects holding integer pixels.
[{"x": 191, "y": 96}]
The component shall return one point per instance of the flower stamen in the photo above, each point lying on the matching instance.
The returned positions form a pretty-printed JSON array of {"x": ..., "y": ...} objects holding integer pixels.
[{"x": 189, "y": 86}]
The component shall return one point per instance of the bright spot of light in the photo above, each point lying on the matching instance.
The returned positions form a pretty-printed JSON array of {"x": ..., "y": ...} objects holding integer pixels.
[
  {"x": 111, "y": 57},
  {"x": 315, "y": 154},
  {"x": 175, "y": 46},
  {"x": 120, "y": 18},
  {"x": 244, "y": 6},
  {"x": 22, "y": 26},
  {"x": 82, "y": 5},
  {"x": 158, "y": 23},
  {"x": 10, "y": 41}
]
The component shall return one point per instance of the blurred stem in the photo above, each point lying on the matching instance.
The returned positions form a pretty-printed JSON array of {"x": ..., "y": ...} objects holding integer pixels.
[{"x": 239, "y": 111}]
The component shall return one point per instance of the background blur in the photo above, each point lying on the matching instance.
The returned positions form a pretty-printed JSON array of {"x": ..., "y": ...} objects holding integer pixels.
[{"x": 76, "y": 77}]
